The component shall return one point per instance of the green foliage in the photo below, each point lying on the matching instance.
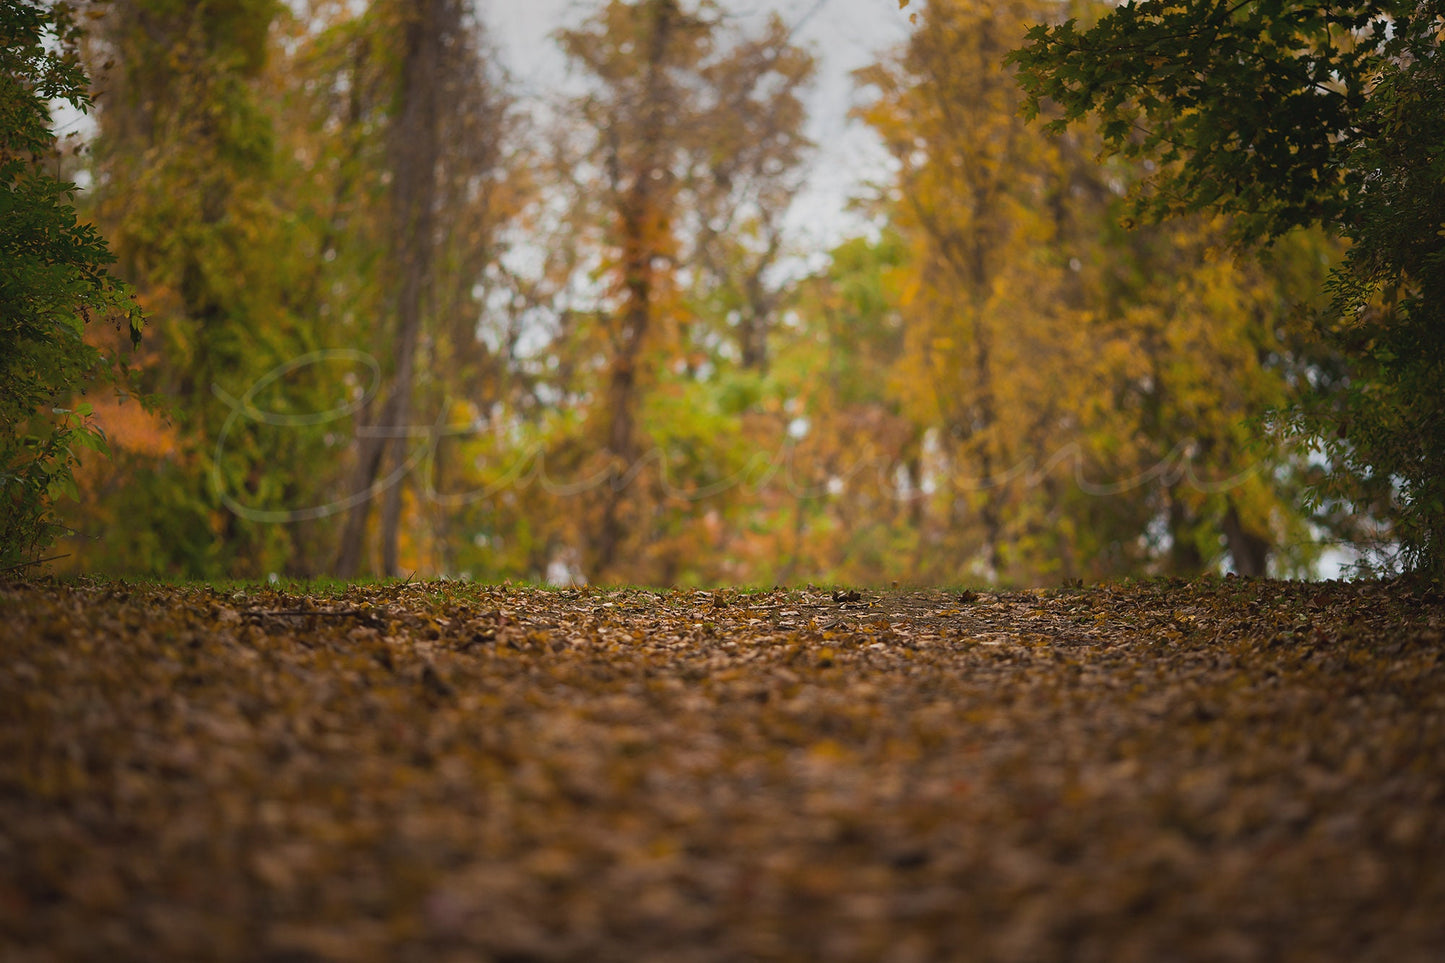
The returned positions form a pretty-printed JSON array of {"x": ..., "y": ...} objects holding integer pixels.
[
  {"x": 53, "y": 283},
  {"x": 1246, "y": 108},
  {"x": 202, "y": 210},
  {"x": 1285, "y": 114},
  {"x": 1386, "y": 426}
]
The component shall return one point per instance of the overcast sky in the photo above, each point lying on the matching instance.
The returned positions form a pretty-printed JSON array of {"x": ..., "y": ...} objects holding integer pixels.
[{"x": 843, "y": 34}]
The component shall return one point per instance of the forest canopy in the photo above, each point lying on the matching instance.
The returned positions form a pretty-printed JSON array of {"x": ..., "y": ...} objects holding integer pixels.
[
  {"x": 1092, "y": 322},
  {"x": 1287, "y": 114}
]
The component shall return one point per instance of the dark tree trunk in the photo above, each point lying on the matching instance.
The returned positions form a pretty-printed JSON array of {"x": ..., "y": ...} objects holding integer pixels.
[
  {"x": 415, "y": 149},
  {"x": 1248, "y": 551},
  {"x": 371, "y": 448},
  {"x": 1184, "y": 556}
]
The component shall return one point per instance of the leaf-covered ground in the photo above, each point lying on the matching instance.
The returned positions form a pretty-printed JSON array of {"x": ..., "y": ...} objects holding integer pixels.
[{"x": 1228, "y": 770}]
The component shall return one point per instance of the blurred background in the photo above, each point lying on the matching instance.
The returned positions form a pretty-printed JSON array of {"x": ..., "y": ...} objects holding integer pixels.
[{"x": 672, "y": 293}]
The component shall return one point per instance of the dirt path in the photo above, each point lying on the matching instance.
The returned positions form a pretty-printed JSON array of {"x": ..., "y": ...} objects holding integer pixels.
[{"x": 1228, "y": 770}]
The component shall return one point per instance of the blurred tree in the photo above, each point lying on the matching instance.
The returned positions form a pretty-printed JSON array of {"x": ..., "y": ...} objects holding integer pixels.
[
  {"x": 443, "y": 129},
  {"x": 1196, "y": 350},
  {"x": 691, "y": 139},
  {"x": 1287, "y": 114},
  {"x": 187, "y": 180},
  {"x": 55, "y": 279},
  {"x": 1041, "y": 340},
  {"x": 971, "y": 200},
  {"x": 848, "y": 501},
  {"x": 748, "y": 168},
  {"x": 294, "y": 185}
]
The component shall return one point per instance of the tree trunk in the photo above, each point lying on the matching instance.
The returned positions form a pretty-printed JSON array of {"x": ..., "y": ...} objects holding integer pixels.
[
  {"x": 371, "y": 448},
  {"x": 1248, "y": 551},
  {"x": 414, "y": 148},
  {"x": 1184, "y": 556},
  {"x": 644, "y": 225}
]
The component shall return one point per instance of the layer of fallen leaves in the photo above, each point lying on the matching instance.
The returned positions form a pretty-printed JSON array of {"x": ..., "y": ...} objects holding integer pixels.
[{"x": 1228, "y": 770}]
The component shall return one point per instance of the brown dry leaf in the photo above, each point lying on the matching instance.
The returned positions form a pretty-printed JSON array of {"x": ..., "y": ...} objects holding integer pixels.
[{"x": 1228, "y": 769}]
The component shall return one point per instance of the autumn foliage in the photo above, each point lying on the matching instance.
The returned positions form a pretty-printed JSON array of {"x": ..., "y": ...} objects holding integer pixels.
[{"x": 407, "y": 318}]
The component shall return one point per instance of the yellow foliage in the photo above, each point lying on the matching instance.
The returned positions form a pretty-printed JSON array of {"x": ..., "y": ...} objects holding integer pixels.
[{"x": 1081, "y": 385}]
